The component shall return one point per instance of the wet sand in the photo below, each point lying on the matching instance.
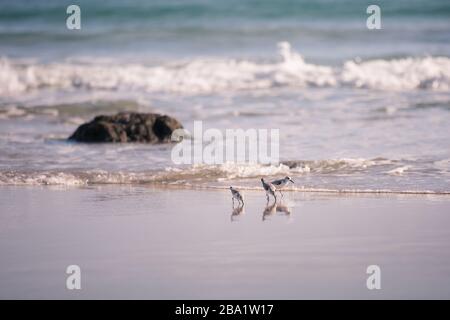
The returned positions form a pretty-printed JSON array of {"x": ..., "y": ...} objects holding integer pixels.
[{"x": 165, "y": 243}]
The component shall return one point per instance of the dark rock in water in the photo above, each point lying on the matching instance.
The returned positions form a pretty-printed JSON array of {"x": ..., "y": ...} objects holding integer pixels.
[{"x": 127, "y": 127}]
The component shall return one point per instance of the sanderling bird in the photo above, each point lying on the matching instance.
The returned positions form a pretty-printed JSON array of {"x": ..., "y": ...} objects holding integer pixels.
[
  {"x": 270, "y": 189},
  {"x": 236, "y": 195},
  {"x": 281, "y": 183}
]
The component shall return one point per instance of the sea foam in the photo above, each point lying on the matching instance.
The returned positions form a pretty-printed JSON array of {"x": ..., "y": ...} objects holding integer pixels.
[
  {"x": 197, "y": 173},
  {"x": 216, "y": 75}
]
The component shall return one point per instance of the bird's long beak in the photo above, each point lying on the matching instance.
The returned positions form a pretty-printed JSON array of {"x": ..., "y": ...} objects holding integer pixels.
[{"x": 291, "y": 180}]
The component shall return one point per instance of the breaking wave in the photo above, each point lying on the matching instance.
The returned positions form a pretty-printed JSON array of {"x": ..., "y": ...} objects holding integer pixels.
[
  {"x": 188, "y": 175},
  {"x": 193, "y": 173},
  {"x": 220, "y": 176},
  {"x": 209, "y": 75}
]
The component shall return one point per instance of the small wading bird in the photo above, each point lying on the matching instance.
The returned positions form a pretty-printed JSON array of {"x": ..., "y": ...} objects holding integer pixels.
[
  {"x": 270, "y": 189},
  {"x": 236, "y": 195},
  {"x": 281, "y": 183}
]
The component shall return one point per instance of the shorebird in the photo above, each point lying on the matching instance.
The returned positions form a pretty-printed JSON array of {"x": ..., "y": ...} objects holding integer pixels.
[
  {"x": 281, "y": 183},
  {"x": 236, "y": 195},
  {"x": 270, "y": 189}
]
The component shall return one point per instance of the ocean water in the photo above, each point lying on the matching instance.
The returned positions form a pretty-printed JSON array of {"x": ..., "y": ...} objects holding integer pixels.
[{"x": 358, "y": 110}]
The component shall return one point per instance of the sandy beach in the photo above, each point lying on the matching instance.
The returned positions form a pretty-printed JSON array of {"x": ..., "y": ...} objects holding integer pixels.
[{"x": 170, "y": 243}]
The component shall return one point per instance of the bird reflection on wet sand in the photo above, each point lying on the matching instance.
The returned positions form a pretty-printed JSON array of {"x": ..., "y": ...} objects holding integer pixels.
[
  {"x": 270, "y": 210},
  {"x": 237, "y": 212}
]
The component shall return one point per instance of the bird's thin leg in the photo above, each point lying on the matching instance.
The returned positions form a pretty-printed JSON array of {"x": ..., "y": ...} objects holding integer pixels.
[
  {"x": 281, "y": 193},
  {"x": 274, "y": 195},
  {"x": 233, "y": 202},
  {"x": 267, "y": 196}
]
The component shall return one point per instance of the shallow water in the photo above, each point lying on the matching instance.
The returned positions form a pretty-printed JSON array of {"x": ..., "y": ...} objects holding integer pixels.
[
  {"x": 333, "y": 139},
  {"x": 357, "y": 110}
]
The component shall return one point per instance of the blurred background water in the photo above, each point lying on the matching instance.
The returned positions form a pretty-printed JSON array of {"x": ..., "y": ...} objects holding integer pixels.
[
  {"x": 323, "y": 30},
  {"x": 357, "y": 109}
]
